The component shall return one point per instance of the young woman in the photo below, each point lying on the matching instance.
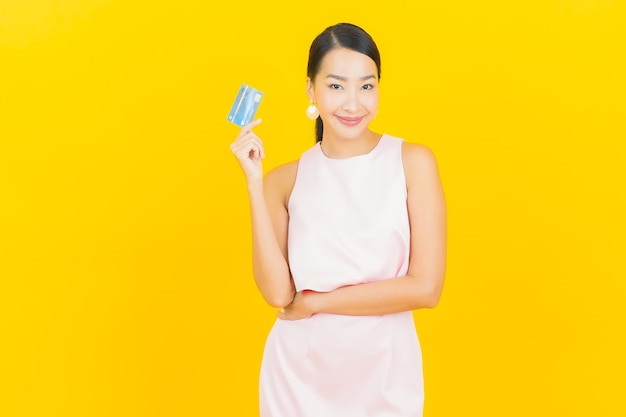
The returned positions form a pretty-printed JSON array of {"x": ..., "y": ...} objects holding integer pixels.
[{"x": 347, "y": 241}]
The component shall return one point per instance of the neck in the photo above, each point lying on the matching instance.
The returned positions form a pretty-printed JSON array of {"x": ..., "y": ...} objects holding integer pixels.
[{"x": 338, "y": 148}]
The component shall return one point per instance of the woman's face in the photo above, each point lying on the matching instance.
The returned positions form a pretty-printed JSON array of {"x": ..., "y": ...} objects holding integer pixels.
[{"x": 345, "y": 91}]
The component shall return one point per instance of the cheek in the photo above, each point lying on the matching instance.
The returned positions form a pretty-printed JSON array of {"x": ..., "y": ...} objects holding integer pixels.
[
  {"x": 328, "y": 102},
  {"x": 371, "y": 101}
]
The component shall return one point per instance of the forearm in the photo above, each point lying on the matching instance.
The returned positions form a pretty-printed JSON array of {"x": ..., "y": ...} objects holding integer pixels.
[
  {"x": 376, "y": 298},
  {"x": 270, "y": 268}
]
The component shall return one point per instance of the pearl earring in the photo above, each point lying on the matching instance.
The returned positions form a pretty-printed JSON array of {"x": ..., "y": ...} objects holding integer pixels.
[{"x": 312, "y": 112}]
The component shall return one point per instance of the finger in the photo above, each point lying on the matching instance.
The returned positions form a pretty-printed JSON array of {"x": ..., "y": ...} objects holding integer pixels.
[
  {"x": 243, "y": 139},
  {"x": 247, "y": 128},
  {"x": 246, "y": 145},
  {"x": 245, "y": 135},
  {"x": 251, "y": 152},
  {"x": 251, "y": 144},
  {"x": 258, "y": 144}
]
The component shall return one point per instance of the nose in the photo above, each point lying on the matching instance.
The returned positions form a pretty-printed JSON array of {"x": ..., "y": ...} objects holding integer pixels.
[{"x": 351, "y": 102}]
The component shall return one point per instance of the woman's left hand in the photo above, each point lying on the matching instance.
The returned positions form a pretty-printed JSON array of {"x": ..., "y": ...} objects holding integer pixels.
[{"x": 300, "y": 307}]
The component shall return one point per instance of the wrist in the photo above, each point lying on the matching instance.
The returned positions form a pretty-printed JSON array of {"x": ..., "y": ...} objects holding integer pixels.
[
  {"x": 254, "y": 185},
  {"x": 314, "y": 301}
]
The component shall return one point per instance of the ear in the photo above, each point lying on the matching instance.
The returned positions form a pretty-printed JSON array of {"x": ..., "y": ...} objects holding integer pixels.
[{"x": 310, "y": 89}]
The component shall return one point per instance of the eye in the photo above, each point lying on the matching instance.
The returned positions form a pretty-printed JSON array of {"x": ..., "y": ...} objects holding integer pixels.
[
  {"x": 335, "y": 87},
  {"x": 368, "y": 86}
]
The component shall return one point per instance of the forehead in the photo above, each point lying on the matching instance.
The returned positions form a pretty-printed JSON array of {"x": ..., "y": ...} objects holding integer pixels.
[{"x": 348, "y": 63}]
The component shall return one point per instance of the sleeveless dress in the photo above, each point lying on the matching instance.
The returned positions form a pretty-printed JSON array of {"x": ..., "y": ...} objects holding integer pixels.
[{"x": 348, "y": 224}]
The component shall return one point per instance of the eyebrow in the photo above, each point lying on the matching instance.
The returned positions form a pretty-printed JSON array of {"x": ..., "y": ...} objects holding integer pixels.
[{"x": 342, "y": 78}]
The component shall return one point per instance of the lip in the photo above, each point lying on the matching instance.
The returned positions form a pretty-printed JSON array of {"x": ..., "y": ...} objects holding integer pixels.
[{"x": 350, "y": 121}]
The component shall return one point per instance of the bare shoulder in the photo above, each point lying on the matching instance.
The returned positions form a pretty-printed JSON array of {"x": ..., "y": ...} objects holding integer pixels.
[
  {"x": 285, "y": 173},
  {"x": 418, "y": 159},
  {"x": 280, "y": 180},
  {"x": 425, "y": 191}
]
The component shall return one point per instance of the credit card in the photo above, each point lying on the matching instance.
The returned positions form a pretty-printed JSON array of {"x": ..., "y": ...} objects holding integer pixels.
[{"x": 245, "y": 106}]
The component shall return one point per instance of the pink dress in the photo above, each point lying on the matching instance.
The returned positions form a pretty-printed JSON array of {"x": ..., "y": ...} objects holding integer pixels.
[{"x": 348, "y": 224}]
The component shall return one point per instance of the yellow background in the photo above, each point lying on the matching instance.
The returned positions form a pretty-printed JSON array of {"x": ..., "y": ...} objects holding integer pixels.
[{"x": 125, "y": 284}]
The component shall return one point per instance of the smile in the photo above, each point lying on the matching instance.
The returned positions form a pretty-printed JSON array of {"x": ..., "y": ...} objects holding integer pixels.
[{"x": 350, "y": 121}]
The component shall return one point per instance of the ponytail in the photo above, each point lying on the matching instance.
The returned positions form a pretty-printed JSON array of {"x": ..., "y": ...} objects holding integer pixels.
[{"x": 319, "y": 129}]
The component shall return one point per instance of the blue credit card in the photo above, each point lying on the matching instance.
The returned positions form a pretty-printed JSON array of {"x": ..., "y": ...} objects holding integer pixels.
[{"x": 245, "y": 106}]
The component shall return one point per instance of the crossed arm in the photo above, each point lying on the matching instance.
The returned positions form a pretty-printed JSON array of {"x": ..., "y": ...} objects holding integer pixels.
[{"x": 421, "y": 287}]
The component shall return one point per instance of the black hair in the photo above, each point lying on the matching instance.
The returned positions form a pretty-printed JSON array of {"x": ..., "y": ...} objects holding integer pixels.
[{"x": 341, "y": 35}]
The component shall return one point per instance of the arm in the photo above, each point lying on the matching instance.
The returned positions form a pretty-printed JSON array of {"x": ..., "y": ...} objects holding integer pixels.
[
  {"x": 422, "y": 285},
  {"x": 268, "y": 219}
]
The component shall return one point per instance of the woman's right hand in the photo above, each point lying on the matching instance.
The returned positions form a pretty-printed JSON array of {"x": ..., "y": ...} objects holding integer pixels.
[{"x": 248, "y": 149}]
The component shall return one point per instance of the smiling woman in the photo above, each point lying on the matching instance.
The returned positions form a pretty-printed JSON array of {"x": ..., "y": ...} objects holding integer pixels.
[
  {"x": 343, "y": 52},
  {"x": 346, "y": 94},
  {"x": 347, "y": 241}
]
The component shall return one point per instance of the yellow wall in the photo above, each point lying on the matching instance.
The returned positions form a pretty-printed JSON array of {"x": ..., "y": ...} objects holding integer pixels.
[{"x": 125, "y": 284}]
